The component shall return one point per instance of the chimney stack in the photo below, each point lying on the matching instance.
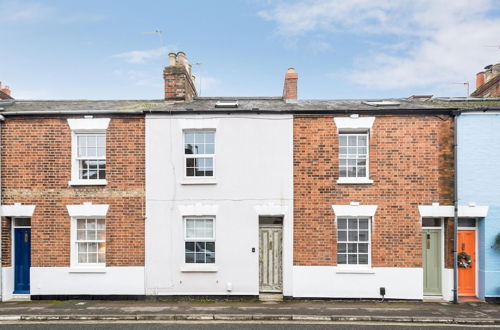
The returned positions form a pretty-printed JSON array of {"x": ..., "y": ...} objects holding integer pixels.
[
  {"x": 290, "y": 86},
  {"x": 179, "y": 82},
  {"x": 4, "y": 92},
  {"x": 488, "y": 82}
]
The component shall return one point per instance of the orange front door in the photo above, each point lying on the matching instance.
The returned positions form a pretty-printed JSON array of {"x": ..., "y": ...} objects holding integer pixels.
[{"x": 467, "y": 276}]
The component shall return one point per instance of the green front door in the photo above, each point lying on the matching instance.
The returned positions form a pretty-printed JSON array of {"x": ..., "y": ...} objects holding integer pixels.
[{"x": 431, "y": 247}]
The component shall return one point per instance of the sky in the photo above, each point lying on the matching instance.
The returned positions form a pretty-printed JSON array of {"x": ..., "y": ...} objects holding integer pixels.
[{"x": 103, "y": 49}]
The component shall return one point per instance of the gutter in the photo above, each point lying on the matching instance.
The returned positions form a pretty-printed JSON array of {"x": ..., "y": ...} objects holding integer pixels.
[{"x": 70, "y": 112}]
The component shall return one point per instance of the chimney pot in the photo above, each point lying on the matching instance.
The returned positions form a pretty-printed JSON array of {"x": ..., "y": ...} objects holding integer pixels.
[
  {"x": 290, "y": 86},
  {"x": 172, "y": 59}
]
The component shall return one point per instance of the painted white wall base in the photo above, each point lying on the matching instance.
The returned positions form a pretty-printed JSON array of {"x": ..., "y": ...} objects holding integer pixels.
[
  {"x": 326, "y": 282},
  {"x": 7, "y": 283},
  {"x": 60, "y": 281},
  {"x": 447, "y": 284}
]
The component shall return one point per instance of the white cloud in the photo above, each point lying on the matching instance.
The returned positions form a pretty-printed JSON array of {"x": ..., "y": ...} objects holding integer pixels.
[
  {"x": 438, "y": 41},
  {"x": 22, "y": 11},
  {"x": 142, "y": 56}
]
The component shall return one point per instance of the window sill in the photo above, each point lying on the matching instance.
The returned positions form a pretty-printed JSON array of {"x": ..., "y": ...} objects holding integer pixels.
[
  {"x": 354, "y": 181},
  {"x": 102, "y": 182},
  {"x": 87, "y": 270},
  {"x": 198, "y": 181},
  {"x": 342, "y": 270},
  {"x": 199, "y": 269}
]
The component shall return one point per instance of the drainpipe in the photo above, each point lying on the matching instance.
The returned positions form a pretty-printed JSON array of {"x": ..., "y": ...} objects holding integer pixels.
[{"x": 455, "y": 209}]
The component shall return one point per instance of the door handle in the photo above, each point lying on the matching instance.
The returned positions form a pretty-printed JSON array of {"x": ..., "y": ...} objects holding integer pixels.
[
  {"x": 428, "y": 241},
  {"x": 463, "y": 246},
  {"x": 270, "y": 245},
  {"x": 26, "y": 238}
]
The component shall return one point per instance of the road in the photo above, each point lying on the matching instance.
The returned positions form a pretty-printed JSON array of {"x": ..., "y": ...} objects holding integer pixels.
[{"x": 224, "y": 326}]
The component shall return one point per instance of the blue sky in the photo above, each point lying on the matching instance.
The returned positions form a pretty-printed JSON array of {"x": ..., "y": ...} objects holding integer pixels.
[{"x": 341, "y": 49}]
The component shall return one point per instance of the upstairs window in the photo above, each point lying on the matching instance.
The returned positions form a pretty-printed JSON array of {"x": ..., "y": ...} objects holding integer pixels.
[
  {"x": 199, "y": 152},
  {"x": 91, "y": 156},
  {"x": 353, "y": 155}
]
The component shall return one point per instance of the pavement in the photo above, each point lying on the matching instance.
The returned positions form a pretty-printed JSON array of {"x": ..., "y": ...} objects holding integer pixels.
[{"x": 472, "y": 313}]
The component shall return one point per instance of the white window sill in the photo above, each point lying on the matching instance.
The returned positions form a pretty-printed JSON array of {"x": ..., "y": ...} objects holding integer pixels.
[
  {"x": 101, "y": 182},
  {"x": 199, "y": 269},
  {"x": 198, "y": 181},
  {"x": 342, "y": 270},
  {"x": 87, "y": 269},
  {"x": 354, "y": 181}
]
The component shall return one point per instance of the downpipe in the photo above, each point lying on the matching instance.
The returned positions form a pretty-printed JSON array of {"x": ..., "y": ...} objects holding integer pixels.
[{"x": 455, "y": 208}]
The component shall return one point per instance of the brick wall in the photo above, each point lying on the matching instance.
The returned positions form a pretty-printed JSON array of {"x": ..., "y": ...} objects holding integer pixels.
[
  {"x": 411, "y": 164},
  {"x": 36, "y": 168}
]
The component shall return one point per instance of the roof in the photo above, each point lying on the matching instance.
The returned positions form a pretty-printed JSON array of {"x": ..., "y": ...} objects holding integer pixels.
[{"x": 245, "y": 104}]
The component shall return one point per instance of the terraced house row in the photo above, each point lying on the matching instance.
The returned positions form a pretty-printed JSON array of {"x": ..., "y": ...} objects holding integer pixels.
[{"x": 242, "y": 196}]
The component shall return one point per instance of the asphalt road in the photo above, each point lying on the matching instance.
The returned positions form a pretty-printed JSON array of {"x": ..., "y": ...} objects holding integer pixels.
[{"x": 225, "y": 326}]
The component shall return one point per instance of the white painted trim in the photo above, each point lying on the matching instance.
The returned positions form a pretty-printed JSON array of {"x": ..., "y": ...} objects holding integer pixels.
[
  {"x": 87, "y": 270},
  {"x": 437, "y": 211},
  {"x": 198, "y": 123},
  {"x": 347, "y": 124},
  {"x": 199, "y": 269},
  {"x": 346, "y": 180},
  {"x": 198, "y": 209},
  {"x": 354, "y": 210},
  {"x": 17, "y": 210},
  {"x": 100, "y": 182},
  {"x": 87, "y": 210},
  {"x": 89, "y": 124},
  {"x": 342, "y": 270},
  {"x": 200, "y": 181},
  {"x": 271, "y": 209}
]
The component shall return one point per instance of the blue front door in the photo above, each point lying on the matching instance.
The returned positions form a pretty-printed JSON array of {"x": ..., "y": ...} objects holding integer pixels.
[{"x": 22, "y": 260}]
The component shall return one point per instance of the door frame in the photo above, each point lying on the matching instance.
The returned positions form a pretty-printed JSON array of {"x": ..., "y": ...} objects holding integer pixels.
[
  {"x": 281, "y": 226},
  {"x": 476, "y": 245},
  {"x": 442, "y": 246},
  {"x": 13, "y": 227}
]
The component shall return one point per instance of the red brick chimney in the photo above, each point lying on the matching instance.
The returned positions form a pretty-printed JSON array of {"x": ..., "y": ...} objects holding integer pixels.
[
  {"x": 179, "y": 82},
  {"x": 488, "y": 82},
  {"x": 290, "y": 86},
  {"x": 4, "y": 92}
]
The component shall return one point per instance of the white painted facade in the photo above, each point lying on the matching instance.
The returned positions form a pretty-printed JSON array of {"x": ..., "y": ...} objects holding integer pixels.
[{"x": 253, "y": 177}]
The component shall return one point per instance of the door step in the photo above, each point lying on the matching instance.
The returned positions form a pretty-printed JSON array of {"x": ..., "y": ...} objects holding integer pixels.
[
  {"x": 271, "y": 297},
  {"x": 433, "y": 299},
  {"x": 20, "y": 297}
]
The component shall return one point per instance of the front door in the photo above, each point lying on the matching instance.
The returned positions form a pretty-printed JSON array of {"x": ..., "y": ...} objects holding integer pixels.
[
  {"x": 467, "y": 276},
  {"x": 270, "y": 258},
  {"x": 431, "y": 247},
  {"x": 22, "y": 260}
]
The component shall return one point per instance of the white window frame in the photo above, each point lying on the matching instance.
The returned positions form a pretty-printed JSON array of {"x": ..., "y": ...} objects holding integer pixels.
[
  {"x": 85, "y": 211},
  {"x": 186, "y": 239},
  {"x": 369, "y": 242},
  {"x": 354, "y": 124},
  {"x": 74, "y": 244},
  {"x": 86, "y": 126},
  {"x": 364, "y": 179},
  {"x": 198, "y": 179}
]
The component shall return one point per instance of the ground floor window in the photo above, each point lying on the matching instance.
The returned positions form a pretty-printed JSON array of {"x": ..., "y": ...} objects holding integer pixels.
[
  {"x": 353, "y": 241},
  {"x": 90, "y": 241},
  {"x": 199, "y": 245}
]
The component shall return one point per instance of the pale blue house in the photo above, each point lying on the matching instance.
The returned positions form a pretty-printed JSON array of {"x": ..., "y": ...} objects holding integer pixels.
[{"x": 478, "y": 185}]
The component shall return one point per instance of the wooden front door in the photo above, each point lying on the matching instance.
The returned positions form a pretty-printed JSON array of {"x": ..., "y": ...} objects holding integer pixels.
[
  {"x": 270, "y": 258},
  {"x": 431, "y": 248},
  {"x": 467, "y": 276}
]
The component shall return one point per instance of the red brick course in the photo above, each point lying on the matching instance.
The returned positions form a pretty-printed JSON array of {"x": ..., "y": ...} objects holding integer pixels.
[
  {"x": 411, "y": 164},
  {"x": 36, "y": 168}
]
